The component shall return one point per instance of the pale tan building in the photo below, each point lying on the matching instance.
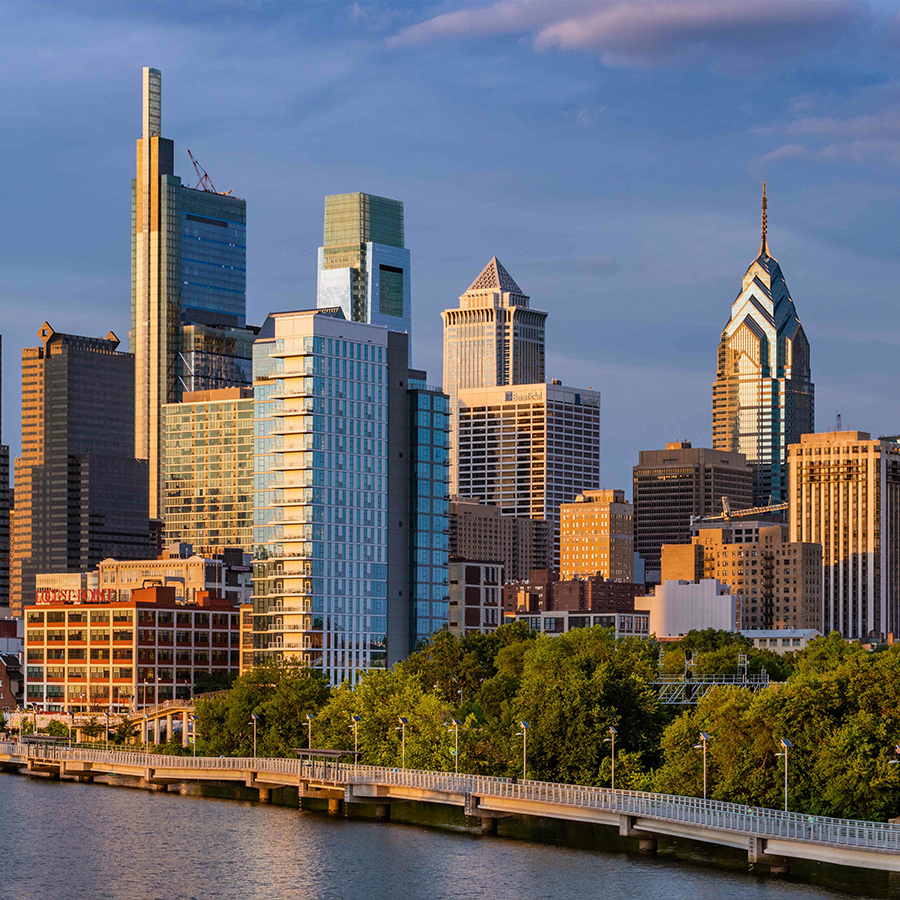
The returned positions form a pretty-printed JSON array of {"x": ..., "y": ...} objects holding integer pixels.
[
  {"x": 776, "y": 583},
  {"x": 479, "y": 531},
  {"x": 845, "y": 495},
  {"x": 596, "y": 536},
  {"x": 476, "y": 602}
]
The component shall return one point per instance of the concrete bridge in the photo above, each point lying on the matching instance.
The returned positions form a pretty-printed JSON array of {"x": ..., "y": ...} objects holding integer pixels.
[{"x": 770, "y": 837}]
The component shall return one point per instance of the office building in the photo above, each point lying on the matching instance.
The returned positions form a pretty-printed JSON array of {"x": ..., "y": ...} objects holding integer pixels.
[
  {"x": 529, "y": 449},
  {"x": 363, "y": 267},
  {"x": 216, "y": 357},
  {"x": 429, "y": 539},
  {"x": 845, "y": 495},
  {"x": 777, "y": 582},
  {"x": 763, "y": 396},
  {"x": 543, "y": 590},
  {"x": 596, "y": 536},
  {"x": 189, "y": 262},
  {"x": 478, "y": 531},
  {"x": 122, "y": 656},
  {"x": 476, "y": 605},
  {"x": 628, "y": 624},
  {"x": 675, "y": 484},
  {"x": 81, "y": 494},
  {"x": 335, "y": 539},
  {"x": 208, "y": 470},
  {"x": 677, "y": 607},
  {"x": 5, "y": 499},
  {"x": 494, "y": 338},
  {"x": 783, "y": 640}
]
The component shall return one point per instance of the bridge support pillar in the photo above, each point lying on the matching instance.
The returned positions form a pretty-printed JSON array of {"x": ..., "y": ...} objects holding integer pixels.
[
  {"x": 184, "y": 729},
  {"x": 169, "y": 719},
  {"x": 334, "y": 807},
  {"x": 265, "y": 795},
  {"x": 382, "y": 810},
  {"x": 756, "y": 853},
  {"x": 647, "y": 845},
  {"x": 489, "y": 824}
]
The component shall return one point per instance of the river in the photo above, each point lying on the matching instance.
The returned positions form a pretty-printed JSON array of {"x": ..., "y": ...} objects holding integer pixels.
[{"x": 67, "y": 841}]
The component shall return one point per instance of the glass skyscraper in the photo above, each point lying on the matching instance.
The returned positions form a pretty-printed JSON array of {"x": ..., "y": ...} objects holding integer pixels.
[
  {"x": 363, "y": 266},
  {"x": 763, "y": 396},
  {"x": 188, "y": 265},
  {"x": 333, "y": 536}
]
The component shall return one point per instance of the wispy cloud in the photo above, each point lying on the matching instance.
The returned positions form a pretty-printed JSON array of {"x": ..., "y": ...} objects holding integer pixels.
[
  {"x": 641, "y": 31},
  {"x": 788, "y": 151}
]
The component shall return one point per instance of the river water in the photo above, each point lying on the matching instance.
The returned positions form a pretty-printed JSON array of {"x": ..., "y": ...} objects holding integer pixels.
[{"x": 66, "y": 841}]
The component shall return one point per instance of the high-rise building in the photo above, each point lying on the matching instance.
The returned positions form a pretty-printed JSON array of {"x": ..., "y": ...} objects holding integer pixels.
[
  {"x": 596, "y": 536},
  {"x": 528, "y": 449},
  {"x": 776, "y": 582},
  {"x": 188, "y": 265},
  {"x": 763, "y": 394},
  {"x": 476, "y": 602},
  {"x": 4, "y": 510},
  {"x": 81, "y": 494},
  {"x": 845, "y": 495},
  {"x": 478, "y": 531},
  {"x": 336, "y": 533},
  {"x": 216, "y": 357},
  {"x": 208, "y": 470},
  {"x": 494, "y": 338},
  {"x": 672, "y": 485},
  {"x": 363, "y": 266}
]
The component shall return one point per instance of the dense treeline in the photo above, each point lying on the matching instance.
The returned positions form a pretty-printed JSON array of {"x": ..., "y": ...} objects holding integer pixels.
[{"x": 837, "y": 703}]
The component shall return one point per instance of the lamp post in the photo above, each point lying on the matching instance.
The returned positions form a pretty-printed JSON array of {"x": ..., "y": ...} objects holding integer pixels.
[
  {"x": 704, "y": 737},
  {"x": 403, "y": 723},
  {"x": 254, "y": 718},
  {"x": 147, "y": 738},
  {"x": 355, "y": 726},
  {"x": 455, "y": 723},
  {"x": 524, "y": 735},
  {"x": 309, "y": 720},
  {"x": 107, "y": 730},
  {"x": 194, "y": 736},
  {"x": 786, "y": 745},
  {"x": 612, "y": 741}
]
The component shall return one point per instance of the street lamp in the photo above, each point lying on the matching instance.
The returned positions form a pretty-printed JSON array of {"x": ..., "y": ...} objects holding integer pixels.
[
  {"x": 524, "y": 735},
  {"x": 402, "y": 729},
  {"x": 254, "y": 718},
  {"x": 355, "y": 726},
  {"x": 107, "y": 730},
  {"x": 455, "y": 723},
  {"x": 612, "y": 740},
  {"x": 194, "y": 735},
  {"x": 147, "y": 737},
  {"x": 704, "y": 737},
  {"x": 309, "y": 720},
  {"x": 786, "y": 745}
]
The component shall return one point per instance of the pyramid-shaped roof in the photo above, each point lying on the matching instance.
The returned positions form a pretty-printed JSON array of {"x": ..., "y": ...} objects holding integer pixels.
[{"x": 494, "y": 277}]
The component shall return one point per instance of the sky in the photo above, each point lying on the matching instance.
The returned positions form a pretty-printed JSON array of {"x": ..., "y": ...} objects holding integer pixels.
[{"x": 610, "y": 154}]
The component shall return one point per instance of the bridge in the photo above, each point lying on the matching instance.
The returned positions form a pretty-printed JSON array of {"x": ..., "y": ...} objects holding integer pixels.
[{"x": 770, "y": 837}]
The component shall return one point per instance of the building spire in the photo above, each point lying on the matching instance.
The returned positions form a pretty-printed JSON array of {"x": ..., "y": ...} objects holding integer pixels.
[{"x": 764, "y": 242}]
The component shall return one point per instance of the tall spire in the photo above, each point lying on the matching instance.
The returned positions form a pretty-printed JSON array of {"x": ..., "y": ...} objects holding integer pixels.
[{"x": 764, "y": 242}]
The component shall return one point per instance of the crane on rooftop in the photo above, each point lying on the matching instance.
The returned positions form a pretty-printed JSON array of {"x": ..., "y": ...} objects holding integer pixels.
[
  {"x": 205, "y": 182},
  {"x": 728, "y": 513}
]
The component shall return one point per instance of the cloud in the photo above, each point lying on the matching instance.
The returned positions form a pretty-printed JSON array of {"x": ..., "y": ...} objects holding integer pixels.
[
  {"x": 788, "y": 151},
  {"x": 863, "y": 151},
  {"x": 878, "y": 125},
  {"x": 641, "y": 31}
]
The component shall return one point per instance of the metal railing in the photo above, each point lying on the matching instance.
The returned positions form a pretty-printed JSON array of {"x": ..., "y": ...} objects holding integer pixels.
[{"x": 709, "y": 814}]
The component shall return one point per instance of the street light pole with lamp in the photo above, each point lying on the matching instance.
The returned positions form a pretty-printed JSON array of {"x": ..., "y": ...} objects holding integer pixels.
[
  {"x": 704, "y": 737},
  {"x": 254, "y": 718},
  {"x": 786, "y": 745},
  {"x": 454, "y": 724},
  {"x": 524, "y": 735},
  {"x": 355, "y": 726},
  {"x": 612, "y": 741},
  {"x": 309, "y": 721},
  {"x": 402, "y": 729}
]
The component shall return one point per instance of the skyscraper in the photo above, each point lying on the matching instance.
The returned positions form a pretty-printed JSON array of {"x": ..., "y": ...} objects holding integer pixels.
[
  {"x": 493, "y": 339},
  {"x": 597, "y": 536},
  {"x": 529, "y": 449},
  {"x": 82, "y": 496},
  {"x": 674, "y": 484},
  {"x": 363, "y": 266},
  {"x": 188, "y": 253},
  {"x": 845, "y": 495},
  {"x": 763, "y": 394},
  {"x": 350, "y": 527}
]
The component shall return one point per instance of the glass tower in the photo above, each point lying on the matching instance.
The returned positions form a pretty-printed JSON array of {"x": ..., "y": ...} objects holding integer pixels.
[
  {"x": 363, "y": 266},
  {"x": 763, "y": 396},
  {"x": 188, "y": 265}
]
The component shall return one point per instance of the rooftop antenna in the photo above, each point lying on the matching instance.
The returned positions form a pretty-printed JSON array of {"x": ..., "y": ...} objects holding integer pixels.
[
  {"x": 838, "y": 424},
  {"x": 764, "y": 242}
]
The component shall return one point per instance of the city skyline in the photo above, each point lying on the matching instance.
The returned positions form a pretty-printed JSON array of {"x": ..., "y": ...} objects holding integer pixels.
[{"x": 620, "y": 252}]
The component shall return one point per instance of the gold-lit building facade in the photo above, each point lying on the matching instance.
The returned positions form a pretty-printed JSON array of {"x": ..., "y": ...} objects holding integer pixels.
[
  {"x": 763, "y": 396},
  {"x": 596, "y": 536}
]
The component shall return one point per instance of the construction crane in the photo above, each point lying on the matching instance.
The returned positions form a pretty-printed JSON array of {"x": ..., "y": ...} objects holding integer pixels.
[
  {"x": 205, "y": 182},
  {"x": 728, "y": 513}
]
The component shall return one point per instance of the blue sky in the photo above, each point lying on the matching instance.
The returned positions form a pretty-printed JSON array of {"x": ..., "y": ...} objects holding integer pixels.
[{"x": 610, "y": 154}]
